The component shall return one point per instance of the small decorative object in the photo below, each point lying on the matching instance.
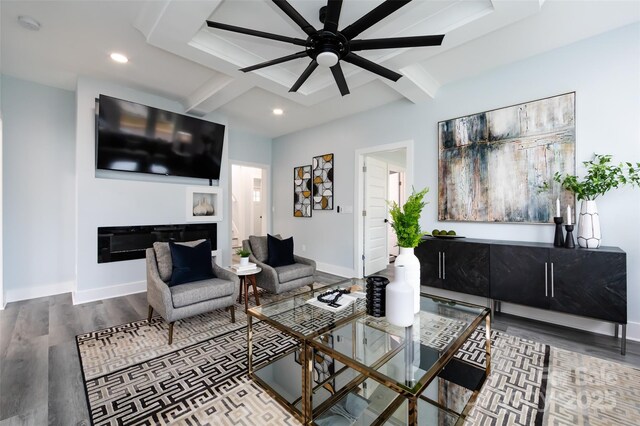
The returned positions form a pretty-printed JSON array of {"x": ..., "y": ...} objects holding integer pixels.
[
  {"x": 400, "y": 295},
  {"x": 405, "y": 221},
  {"x": 302, "y": 191},
  {"x": 568, "y": 241},
  {"x": 332, "y": 297},
  {"x": 474, "y": 185},
  {"x": 323, "y": 182},
  {"x": 203, "y": 204},
  {"x": 601, "y": 178},
  {"x": 244, "y": 256},
  {"x": 200, "y": 209},
  {"x": 558, "y": 241},
  {"x": 376, "y": 296}
]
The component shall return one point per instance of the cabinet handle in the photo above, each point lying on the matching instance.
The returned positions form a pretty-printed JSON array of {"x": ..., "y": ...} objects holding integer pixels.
[
  {"x": 546, "y": 287},
  {"x": 439, "y": 264},
  {"x": 552, "y": 286},
  {"x": 444, "y": 267}
]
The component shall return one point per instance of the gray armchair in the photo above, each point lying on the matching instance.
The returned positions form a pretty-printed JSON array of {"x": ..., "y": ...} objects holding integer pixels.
[
  {"x": 282, "y": 278},
  {"x": 189, "y": 299}
]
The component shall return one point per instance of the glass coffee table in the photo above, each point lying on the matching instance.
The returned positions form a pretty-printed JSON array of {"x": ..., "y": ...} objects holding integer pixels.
[{"x": 357, "y": 369}]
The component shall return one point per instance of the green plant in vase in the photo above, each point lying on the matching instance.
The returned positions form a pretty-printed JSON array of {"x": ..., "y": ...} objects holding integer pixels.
[
  {"x": 602, "y": 176},
  {"x": 405, "y": 221},
  {"x": 244, "y": 256}
]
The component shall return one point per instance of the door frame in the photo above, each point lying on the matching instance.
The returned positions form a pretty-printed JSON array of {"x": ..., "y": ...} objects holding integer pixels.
[
  {"x": 266, "y": 192},
  {"x": 358, "y": 249},
  {"x": 1, "y": 219}
]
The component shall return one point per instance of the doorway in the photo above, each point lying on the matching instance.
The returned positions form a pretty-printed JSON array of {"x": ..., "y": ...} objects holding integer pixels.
[
  {"x": 385, "y": 173},
  {"x": 249, "y": 202}
]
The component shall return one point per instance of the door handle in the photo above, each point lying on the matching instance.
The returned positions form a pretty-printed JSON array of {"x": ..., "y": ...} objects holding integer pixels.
[
  {"x": 444, "y": 267},
  {"x": 552, "y": 286},
  {"x": 386, "y": 220},
  {"x": 439, "y": 264},
  {"x": 546, "y": 290}
]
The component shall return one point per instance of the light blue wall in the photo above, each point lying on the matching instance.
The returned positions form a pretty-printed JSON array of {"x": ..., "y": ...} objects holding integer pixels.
[
  {"x": 604, "y": 71},
  {"x": 249, "y": 147},
  {"x": 38, "y": 185}
]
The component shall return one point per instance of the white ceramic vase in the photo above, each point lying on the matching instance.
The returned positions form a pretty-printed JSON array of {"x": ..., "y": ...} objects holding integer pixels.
[
  {"x": 200, "y": 209},
  {"x": 410, "y": 262},
  {"x": 589, "y": 225},
  {"x": 244, "y": 260},
  {"x": 399, "y": 295}
]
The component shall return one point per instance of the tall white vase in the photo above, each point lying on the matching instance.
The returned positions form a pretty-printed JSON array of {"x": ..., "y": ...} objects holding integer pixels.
[
  {"x": 410, "y": 262},
  {"x": 589, "y": 225},
  {"x": 399, "y": 295}
]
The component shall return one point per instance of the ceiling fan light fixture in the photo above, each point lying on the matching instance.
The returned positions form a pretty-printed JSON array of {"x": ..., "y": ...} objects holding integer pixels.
[{"x": 327, "y": 59}]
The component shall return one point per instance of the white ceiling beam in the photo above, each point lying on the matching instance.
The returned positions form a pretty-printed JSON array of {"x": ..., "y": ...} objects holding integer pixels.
[
  {"x": 216, "y": 93},
  {"x": 417, "y": 85}
]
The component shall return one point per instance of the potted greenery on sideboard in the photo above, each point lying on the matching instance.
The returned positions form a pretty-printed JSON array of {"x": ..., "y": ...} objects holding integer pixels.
[
  {"x": 405, "y": 223},
  {"x": 601, "y": 177}
]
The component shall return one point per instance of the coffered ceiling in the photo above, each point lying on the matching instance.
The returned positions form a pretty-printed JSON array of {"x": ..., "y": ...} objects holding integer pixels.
[{"x": 173, "y": 53}]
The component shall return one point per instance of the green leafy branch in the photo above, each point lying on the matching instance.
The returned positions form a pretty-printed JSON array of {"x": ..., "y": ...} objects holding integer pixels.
[
  {"x": 601, "y": 177},
  {"x": 406, "y": 219}
]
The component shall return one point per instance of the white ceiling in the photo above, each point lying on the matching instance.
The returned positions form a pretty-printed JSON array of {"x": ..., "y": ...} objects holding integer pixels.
[{"x": 173, "y": 53}]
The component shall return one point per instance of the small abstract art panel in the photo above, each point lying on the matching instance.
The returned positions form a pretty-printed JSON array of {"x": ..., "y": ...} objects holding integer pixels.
[
  {"x": 302, "y": 191},
  {"x": 493, "y": 166},
  {"x": 323, "y": 182}
]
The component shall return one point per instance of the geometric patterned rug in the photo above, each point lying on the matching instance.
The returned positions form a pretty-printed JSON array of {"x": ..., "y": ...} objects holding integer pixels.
[{"x": 132, "y": 377}]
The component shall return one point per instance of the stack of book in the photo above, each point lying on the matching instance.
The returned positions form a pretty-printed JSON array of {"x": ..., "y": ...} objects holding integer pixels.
[{"x": 243, "y": 268}]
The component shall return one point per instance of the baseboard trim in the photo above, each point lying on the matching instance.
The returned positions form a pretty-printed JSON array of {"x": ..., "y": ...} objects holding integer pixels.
[
  {"x": 25, "y": 293},
  {"x": 633, "y": 331},
  {"x": 101, "y": 293},
  {"x": 335, "y": 270}
]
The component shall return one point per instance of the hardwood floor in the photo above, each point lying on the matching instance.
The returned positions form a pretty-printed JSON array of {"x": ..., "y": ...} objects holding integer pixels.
[{"x": 41, "y": 381}]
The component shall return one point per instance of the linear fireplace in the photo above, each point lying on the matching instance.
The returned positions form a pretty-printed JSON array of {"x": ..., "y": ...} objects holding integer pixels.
[{"x": 116, "y": 243}]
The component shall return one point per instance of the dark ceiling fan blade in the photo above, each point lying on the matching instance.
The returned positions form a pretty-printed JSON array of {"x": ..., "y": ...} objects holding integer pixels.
[
  {"x": 336, "y": 70},
  {"x": 372, "y": 66},
  {"x": 333, "y": 16},
  {"x": 395, "y": 43},
  {"x": 370, "y": 19},
  {"x": 295, "y": 16},
  {"x": 275, "y": 61},
  {"x": 256, "y": 33},
  {"x": 304, "y": 76}
]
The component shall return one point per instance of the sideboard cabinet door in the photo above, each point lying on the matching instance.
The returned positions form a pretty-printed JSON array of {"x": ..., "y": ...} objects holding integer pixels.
[
  {"x": 590, "y": 283},
  {"x": 518, "y": 275},
  {"x": 429, "y": 253},
  {"x": 466, "y": 268}
]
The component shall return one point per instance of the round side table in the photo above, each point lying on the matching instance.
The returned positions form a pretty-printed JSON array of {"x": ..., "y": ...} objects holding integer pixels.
[{"x": 246, "y": 278}]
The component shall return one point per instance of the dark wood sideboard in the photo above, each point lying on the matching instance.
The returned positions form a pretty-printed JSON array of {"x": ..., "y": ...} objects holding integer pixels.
[{"x": 590, "y": 283}]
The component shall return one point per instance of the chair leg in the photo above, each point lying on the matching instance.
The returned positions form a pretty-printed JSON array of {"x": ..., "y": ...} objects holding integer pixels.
[
  {"x": 233, "y": 313},
  {"x": 150, "y": 313},
  {"x": 170, "y": 333},
  {"x": 311, "y": 286}
]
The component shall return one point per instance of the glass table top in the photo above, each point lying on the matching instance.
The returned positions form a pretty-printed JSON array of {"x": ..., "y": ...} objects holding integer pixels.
[
  {"x": 296, "y": 316},
  {"x": 408, "y": 357}
]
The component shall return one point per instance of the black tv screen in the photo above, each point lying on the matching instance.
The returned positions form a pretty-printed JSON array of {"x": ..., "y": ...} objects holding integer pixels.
[{"x": 138, "y": 138}]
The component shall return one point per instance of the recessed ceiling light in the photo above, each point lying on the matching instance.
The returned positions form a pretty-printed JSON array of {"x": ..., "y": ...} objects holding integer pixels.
[
  {"x": 278, "y": 111},
  {"x": 119, "y": 57},
  {"x": 28, "y": 22}
]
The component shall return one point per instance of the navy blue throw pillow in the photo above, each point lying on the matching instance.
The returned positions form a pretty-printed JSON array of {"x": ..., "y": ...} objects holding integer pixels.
[
  {"x": 280, "y": 251},
  {"x": 190, "y": 263}
]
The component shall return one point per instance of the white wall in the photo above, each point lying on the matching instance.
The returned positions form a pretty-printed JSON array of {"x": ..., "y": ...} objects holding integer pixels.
[
  {"x": 39, "y": 196},
  {"x": 604, "y": 71},
  {"x": 249, "y": 147},
  {"x": 120, "y": 198}
]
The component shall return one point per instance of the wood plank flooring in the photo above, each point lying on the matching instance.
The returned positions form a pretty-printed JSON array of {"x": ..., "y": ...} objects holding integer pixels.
[{"x": 41, "y": 381}]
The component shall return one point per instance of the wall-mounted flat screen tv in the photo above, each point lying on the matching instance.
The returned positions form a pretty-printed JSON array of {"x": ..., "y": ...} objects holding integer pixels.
[{"x": 137, "y": 138}]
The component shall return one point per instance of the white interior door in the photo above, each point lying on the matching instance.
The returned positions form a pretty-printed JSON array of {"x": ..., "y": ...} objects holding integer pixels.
[
  {"x": 376, "y": 257},
  {"x": 257, "y": 205}
]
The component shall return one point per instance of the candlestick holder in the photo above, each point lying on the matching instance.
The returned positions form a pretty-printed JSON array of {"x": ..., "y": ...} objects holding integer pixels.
[
  {"x": 558, "y": 241},
  {"x": 568, "y": 241}
]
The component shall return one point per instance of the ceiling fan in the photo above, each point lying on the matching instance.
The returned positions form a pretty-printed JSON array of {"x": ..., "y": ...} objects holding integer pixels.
[{"x": 328, "y": 46}]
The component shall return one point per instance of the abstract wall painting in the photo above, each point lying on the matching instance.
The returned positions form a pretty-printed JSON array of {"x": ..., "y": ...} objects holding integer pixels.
[
  {"x": 492, "y": 166},
  {"x": 323, "y": 182},
  {"x": 302, "y": 191}
]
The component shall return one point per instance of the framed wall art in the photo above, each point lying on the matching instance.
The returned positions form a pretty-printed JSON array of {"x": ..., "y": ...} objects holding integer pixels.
[
  {"x": 302, "y": 191},
  {"x": 494, "y": 166},
  {"x": 323, "y": 182}
]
